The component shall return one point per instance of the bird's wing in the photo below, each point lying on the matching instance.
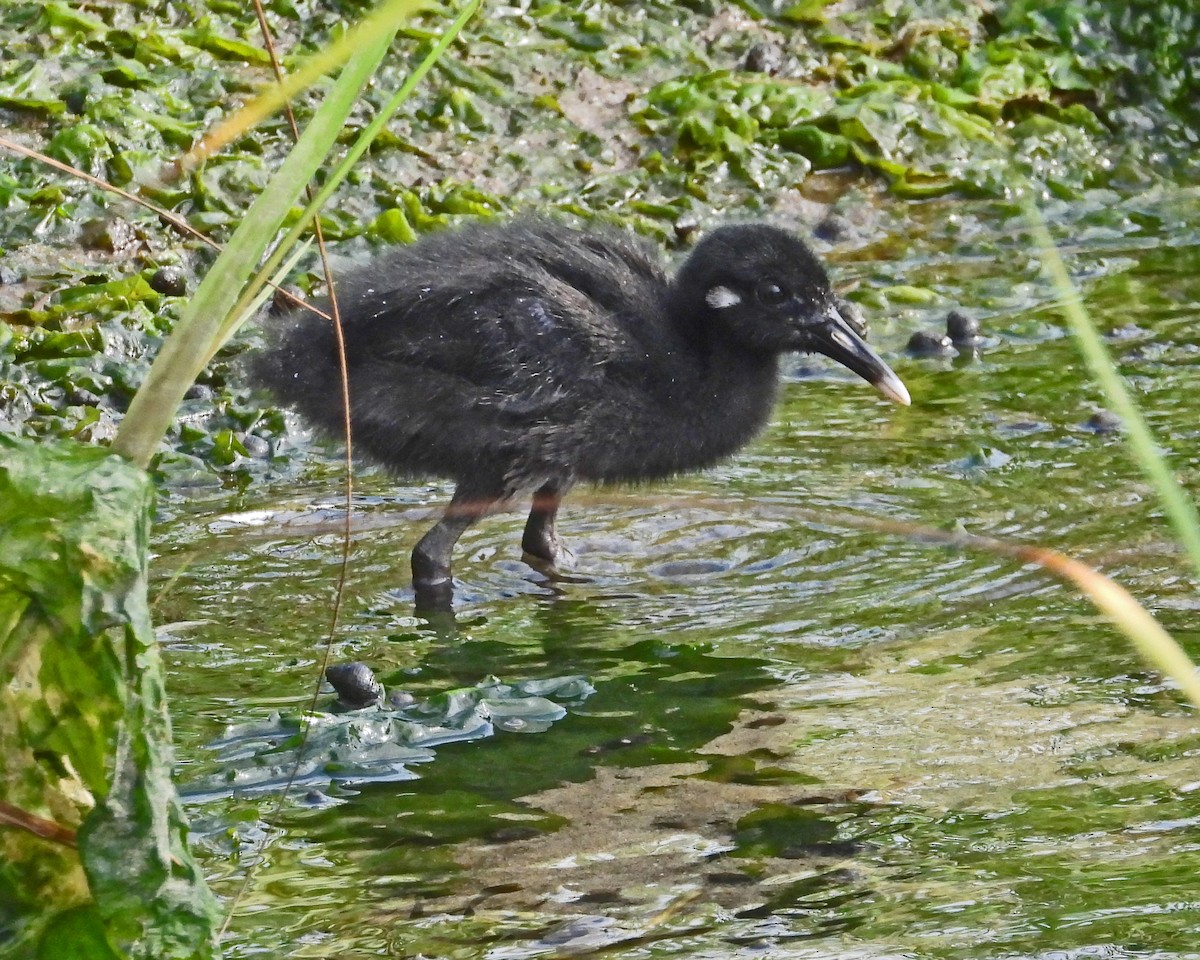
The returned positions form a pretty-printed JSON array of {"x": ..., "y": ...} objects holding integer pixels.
[{"x": 522, "y": 341}]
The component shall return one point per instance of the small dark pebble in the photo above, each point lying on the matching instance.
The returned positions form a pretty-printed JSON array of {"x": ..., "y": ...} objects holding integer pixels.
[
  {"x": 169, "y": 281},
  {"x": 256, "y": 447},
  {"x": 1103, "y": 421},
  {"x": 198, "y": 391},
  {"x": 110, "y": 236},
  {"x": 833, "y": 229},
  {"x": 355, "y": 684},
  {"x": 962, "y": 330},
  {"x": 853, "y": 316},
  {"x": 763, "y": 58},
  {"x": 926, "y": 344}
]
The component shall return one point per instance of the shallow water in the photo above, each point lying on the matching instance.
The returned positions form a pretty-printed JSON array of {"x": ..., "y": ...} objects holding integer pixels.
[{"x": 804, "y": 740}]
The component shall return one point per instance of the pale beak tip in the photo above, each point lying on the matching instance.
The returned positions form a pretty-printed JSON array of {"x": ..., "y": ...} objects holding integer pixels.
[{"x": 893, "y": 388}]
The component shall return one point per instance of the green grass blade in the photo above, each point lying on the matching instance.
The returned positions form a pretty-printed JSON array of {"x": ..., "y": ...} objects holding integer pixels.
[
  {"x": 360, "y": 146},
  {"x": 1179, "y": 507},
  {"x": 386, "y": 19},
  {"x": 240, "y": 314},
  {"x": 184, "y": 353}
]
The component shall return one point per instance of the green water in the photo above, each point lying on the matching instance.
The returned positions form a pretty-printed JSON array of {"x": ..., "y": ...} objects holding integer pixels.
[{"x": 804, "y": 741}]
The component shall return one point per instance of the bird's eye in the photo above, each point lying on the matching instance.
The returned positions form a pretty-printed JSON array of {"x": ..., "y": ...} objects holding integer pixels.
[{"x": 770, "y": 293}]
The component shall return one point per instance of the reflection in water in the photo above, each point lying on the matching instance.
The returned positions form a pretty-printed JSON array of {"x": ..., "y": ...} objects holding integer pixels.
[{"x": 805, "y": 741}]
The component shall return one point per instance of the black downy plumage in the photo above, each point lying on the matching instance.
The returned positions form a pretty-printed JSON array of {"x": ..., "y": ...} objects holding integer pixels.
[{"x": 526, "y": 357}]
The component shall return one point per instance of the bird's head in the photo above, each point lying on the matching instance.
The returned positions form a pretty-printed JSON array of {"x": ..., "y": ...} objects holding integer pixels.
[{"x": 767, "y": 292}]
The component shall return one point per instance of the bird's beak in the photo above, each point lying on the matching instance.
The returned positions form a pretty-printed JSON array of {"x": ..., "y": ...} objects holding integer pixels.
[{"x": 835, "y": 338}]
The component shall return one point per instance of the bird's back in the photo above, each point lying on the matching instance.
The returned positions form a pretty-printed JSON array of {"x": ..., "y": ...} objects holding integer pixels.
[{"x": 509, "y": 348}]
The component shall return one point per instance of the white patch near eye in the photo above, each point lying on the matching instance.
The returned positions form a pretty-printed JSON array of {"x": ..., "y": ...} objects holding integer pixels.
[{"x": 720, "y": 297}]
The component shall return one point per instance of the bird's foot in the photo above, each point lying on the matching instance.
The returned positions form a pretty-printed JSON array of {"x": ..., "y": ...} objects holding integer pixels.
[{"x": 550, "y": 564}]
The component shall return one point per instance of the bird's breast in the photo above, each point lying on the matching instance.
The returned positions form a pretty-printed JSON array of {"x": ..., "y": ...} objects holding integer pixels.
[{"x": 683, "y": 424}]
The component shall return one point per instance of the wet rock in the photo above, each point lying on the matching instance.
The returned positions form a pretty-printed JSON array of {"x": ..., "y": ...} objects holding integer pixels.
[
  {"x": 198, "y": 391},
  {"x": 925, "y": 343},
  {"x": 834, "y": 228},
  {"x": 108, "y": 235},
  {"x": 355, "y": 684},
  {"x": 256, "y": 446},
  {"x": 962, "y": 330},
  {"x": 1103, "y": 421},
  {"x": 9, "y": 276},
  {"x": 169, "y": 281},
  {"x": 763, "y": 58}
]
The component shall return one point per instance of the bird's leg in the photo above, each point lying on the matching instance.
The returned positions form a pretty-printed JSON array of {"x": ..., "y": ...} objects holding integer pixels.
[
  {"x": 541, "y": 536},
  {"x": 431, "y": 556}
]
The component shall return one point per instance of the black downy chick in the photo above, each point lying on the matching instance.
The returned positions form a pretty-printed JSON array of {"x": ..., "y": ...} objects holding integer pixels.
[{"x": 524, "y": 358}]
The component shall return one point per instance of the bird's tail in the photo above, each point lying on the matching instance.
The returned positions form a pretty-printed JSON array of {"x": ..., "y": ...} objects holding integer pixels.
[{"x": 299, "y": 366}]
